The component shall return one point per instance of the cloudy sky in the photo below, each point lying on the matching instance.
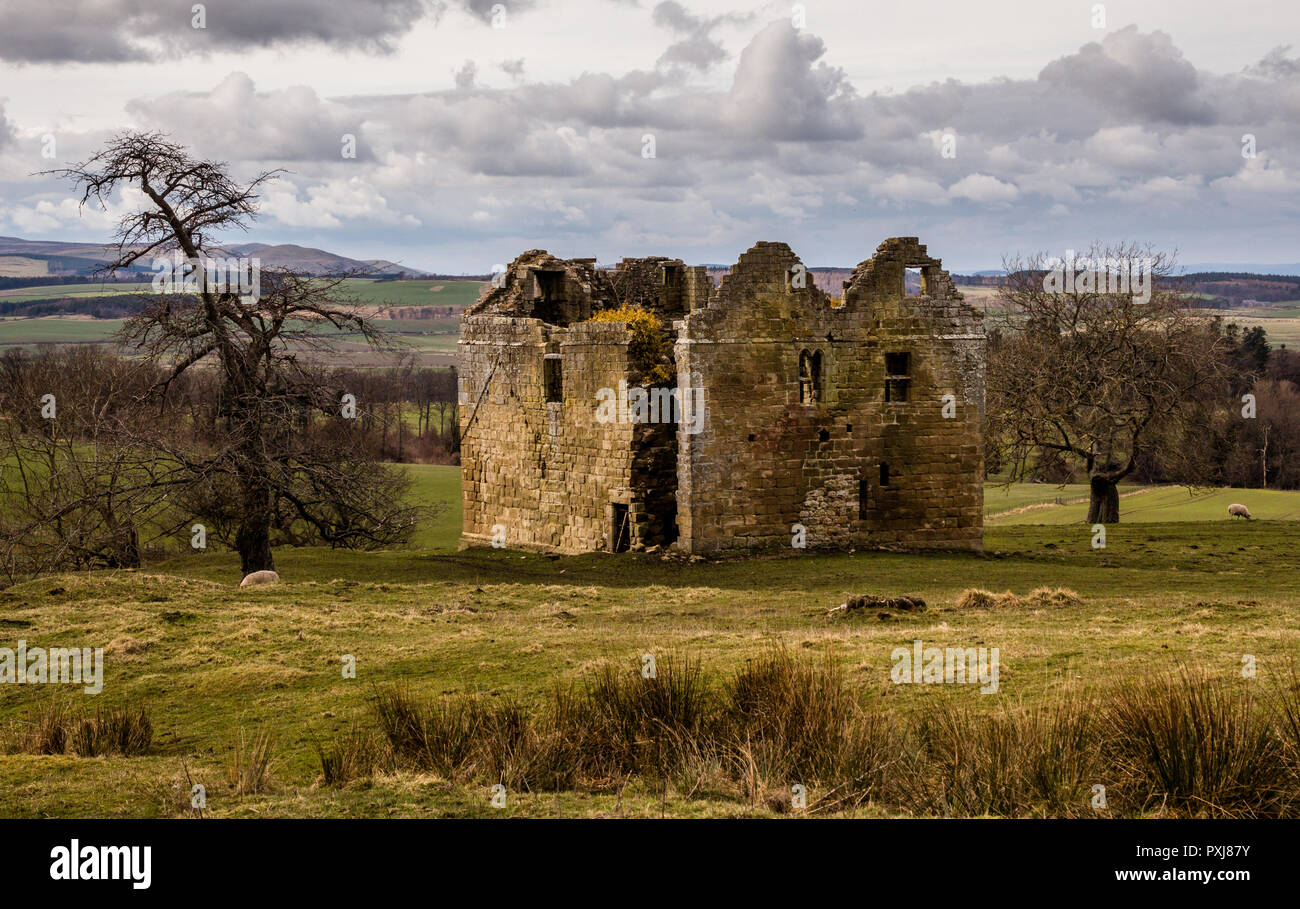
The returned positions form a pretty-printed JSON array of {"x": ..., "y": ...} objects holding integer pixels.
[{"x": 483, "y": 129}]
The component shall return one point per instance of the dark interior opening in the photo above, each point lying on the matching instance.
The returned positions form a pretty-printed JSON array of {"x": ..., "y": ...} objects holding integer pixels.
[
  {"x": 884, "y": 474},
  {"x": 810, "y": 376},
  {"x": 898, "y": 376},
  {"x": 548, "y": 296},
  {"x": 553, "y": 373},
  {"x": 620, "y": 530}
]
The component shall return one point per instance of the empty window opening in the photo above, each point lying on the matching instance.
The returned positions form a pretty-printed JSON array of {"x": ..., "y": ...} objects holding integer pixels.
[
  {"x": 620, "y": 531},
  {"x": 863, "y": 491},
  {"x": 548, "y": 295},
  {"x": 824, "y": 436},
  {"x": 752, "y": 437},
  {"x": 884, "y": 474},
  {"x": 848, "y": 428},
  {"x": 810, "y": 377},
  {"x": 898, "y": 376},
  {"x": 553, "y": 373},
  {"x": 913, "y": 282}
]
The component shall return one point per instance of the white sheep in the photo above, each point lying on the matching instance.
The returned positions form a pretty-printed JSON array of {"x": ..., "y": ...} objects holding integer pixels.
[
  {"x": 260, "y": 577},
  {"x": 1239, "y": 511}
]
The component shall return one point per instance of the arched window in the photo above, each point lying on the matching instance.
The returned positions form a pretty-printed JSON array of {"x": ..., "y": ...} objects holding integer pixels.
[{"x": 810, "y": 376}]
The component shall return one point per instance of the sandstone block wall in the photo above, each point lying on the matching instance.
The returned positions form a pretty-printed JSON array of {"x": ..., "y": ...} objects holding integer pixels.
[{"x": 779, "y": 447}]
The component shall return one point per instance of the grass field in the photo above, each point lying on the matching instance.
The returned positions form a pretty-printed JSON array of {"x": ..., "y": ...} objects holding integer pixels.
[
  {"x": 1280, "y": 320},
  {"x": 419, "y": 336},
  {"x": 417, "y": 293},
  {"x": 56, "y": 291},
  {"x": 56, "y": 330},
  {"x": 1035, "y": 503},
  {"x": 212, "y": 661}
]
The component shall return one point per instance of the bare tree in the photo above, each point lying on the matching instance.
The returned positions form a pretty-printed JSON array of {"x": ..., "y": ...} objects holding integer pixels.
[
  {"x": 267, "y": 458},
  {"x": 1097, "y": 376},
  {"x": 77, "y": 490}
]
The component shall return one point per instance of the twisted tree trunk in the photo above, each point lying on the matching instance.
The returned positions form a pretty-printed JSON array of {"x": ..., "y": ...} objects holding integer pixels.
[{"x": 1103, "y": 506}]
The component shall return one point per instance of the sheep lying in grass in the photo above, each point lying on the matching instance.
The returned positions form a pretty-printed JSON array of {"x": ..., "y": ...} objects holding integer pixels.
[
  {"x": 1239, "y": 511},
  {"x": 260, "y": 577}
]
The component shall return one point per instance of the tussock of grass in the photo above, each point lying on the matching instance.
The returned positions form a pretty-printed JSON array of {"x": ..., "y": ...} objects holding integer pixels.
[
  {"x": 1195, "y": 744},
  {"x": 126, "y": 731},
  {"x": 53, "y": 727},
  {"x": 1054, "y": 596},
  {"x": 1180, "y": 744},
  {"x": 248, "y": 770},
  {"x": 349, "y": 758},
  {"x": 1040, "y": 597},
  {"x": 984, "y": 599}
]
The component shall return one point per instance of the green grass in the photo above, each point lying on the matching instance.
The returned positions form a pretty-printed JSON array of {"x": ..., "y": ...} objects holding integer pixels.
[
  {"x": 1035, "y": 503},
  {"x": 418, "y": 335},
  {"x": 210, "y": 659},
  {"x": 416, "y": 293},
  {"x": 437, "y": 484},
  {"x": 55, "y": 291},
  {"x": 57, "y": 330}
]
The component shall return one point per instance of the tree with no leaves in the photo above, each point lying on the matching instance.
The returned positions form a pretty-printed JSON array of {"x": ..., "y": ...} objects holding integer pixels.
[
  {"x": 273, "y": 467},
  {"x": 1097, "y": 377}
]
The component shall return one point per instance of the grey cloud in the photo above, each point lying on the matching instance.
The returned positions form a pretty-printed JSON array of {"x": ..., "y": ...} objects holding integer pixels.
[
  {"x": 1132, "y": 74},
  {"x": 466, "y": 74},
  {"x": 1277, "y": 65},
  {"x": 673, "y": 15},
  {"x": 781, "y": 92},
  {"x": 487, "y": 9},
  {"x": 7, "y": 131},
  {"x": 790, "y": 143},
  {"x": 236, "y": 122},
  {"x": 698, "y": 51},
  {"x": 54, "y": 31}
]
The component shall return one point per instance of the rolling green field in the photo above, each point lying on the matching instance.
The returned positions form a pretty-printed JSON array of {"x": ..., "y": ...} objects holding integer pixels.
[
  {"x": 433, "y": 336},
  {"x": 397, "y": 293},
  {"x": 416, "y": 293},
  {"x": 54, "y": 291},
  {"x": 213, "y": 662},
  {"x": 56, "y": 330},
  {"x": 1035, "y": 503}
]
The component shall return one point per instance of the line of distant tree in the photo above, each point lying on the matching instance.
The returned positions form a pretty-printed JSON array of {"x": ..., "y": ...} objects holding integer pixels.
[
  {"x": 46, "y": 280},
  {"x": 108, "y": 306}
]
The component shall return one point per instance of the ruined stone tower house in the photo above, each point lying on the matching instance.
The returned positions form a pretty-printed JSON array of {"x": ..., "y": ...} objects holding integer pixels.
[{"x": 795, "y": 417}]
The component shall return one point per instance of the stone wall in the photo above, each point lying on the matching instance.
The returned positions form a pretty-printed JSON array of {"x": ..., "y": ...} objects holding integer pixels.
[
  {"x": 796, "y": 431},
  {"x": 767, "y": 460},
  {"x": 548, "y": 474}
]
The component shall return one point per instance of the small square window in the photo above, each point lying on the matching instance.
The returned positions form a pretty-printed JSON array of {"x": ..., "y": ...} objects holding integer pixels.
[
  {"x": 898, "y": 376},
  {"x": 913, "y": 282}
]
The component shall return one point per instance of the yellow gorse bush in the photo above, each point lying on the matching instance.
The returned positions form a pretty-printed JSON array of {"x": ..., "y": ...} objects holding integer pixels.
[{"x": 649, "y": 347}]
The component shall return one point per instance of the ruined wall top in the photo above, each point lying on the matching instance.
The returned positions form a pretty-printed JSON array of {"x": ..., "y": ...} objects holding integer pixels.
[
  {"x": 883, "y": 276},
  {"x": 561, "y": 292},
  {"x": 565, "y": 291}
]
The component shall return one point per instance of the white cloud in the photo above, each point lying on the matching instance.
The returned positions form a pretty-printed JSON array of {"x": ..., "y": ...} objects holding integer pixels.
[{"x": 983, "y": 188}]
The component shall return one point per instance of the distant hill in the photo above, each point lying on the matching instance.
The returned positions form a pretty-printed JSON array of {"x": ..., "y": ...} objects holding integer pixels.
[{"x": 33, "y": 258}]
